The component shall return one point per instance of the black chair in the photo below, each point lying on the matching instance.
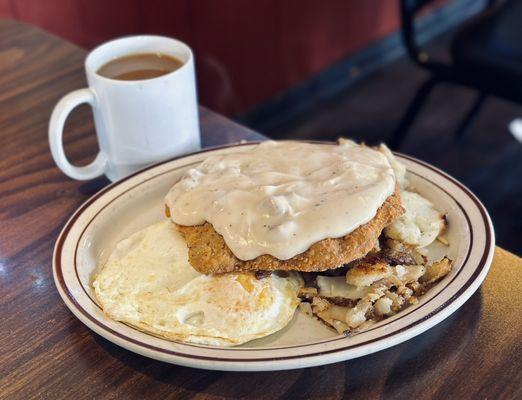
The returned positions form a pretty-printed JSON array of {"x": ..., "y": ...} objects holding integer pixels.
[{"x": 486, "y": 55}]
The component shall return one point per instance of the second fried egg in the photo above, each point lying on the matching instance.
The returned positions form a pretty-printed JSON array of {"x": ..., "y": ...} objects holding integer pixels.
[{"x": 148, "y": 283}]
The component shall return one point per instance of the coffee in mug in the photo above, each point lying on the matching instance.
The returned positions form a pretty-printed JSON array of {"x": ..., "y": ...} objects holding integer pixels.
[{"x": 140, "y": 66}]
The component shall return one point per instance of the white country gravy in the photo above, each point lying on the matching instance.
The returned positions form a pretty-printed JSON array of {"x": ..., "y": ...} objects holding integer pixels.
[{"x": 279, "y": 198}]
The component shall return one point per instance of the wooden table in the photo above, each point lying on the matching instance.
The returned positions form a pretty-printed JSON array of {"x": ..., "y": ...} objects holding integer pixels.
[{"x": 45, "y": 352}]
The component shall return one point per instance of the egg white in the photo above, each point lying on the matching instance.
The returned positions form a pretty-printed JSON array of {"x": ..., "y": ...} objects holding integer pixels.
[
  {"x": 148, "y": 283},
  {"x": 421, "y": 223}
]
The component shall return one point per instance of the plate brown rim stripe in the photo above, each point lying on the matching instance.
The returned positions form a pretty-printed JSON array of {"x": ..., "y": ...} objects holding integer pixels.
[
  {"x": 340, "y": 337},
  {"x": 182, "y": 355},
  {"x": 336, "y": 338},
  {"x": 68, "y": 226},
  {"x": 124, "y": 337},
  {"x": 280, "y": 348}
]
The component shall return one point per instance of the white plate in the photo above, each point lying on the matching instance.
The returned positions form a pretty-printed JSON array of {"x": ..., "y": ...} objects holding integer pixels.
[{"x": 137, "y": 201}]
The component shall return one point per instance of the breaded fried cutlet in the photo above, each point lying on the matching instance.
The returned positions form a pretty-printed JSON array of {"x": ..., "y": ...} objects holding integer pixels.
[{"x": 209, "y": 254}]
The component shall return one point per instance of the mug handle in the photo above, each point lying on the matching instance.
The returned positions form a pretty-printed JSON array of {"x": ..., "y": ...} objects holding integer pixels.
[{"x": 56, "y": 123}]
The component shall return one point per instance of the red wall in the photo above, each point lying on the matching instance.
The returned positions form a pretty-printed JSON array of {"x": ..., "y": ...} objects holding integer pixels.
[{"x": 246, "y": 51}]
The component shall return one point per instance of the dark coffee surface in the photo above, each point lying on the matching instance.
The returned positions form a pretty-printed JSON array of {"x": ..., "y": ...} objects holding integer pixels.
[{"x": 140, "y": 66}]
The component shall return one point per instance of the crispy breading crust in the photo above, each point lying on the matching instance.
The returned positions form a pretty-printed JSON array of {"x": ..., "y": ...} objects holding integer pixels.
[{"x": 209, "y": 254}]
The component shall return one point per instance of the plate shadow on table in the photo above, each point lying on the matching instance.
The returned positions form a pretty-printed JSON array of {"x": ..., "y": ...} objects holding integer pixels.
[
  {"x": 91, "y": 187},
  {"x": 402, "y": 371}
]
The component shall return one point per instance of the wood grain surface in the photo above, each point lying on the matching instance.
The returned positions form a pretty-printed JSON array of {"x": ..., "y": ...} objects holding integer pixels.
[{"x": 45, "y": 352}]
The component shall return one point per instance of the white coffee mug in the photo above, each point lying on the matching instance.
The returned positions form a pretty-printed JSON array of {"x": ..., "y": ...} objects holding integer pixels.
[{"x": 137, "y": 122}]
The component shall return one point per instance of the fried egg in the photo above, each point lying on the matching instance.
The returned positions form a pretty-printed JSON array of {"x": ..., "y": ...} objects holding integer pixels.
[
  {"x": 399, "y": 169},
  {"x": 149, "y": 284},
  {"x": 421, "y": 223}
]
